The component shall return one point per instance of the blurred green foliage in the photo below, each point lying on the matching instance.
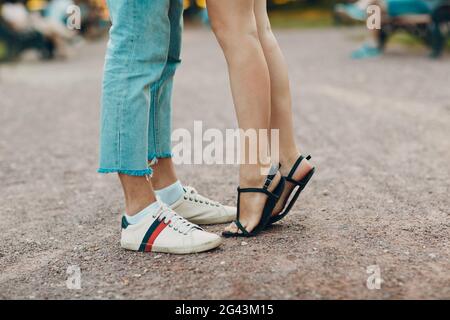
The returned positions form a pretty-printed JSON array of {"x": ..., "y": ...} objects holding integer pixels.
[
  {"x": 301, "y": 18},
  {"x": 301, "y": 13}
]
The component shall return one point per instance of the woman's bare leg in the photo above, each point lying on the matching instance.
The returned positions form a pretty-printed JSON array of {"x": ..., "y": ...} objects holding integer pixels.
[
  {"x": 281, "y": 101},
  {"x": 234, "y": 24}
]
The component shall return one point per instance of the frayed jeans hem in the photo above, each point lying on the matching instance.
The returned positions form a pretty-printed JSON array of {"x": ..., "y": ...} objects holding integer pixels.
[{"x": 136, "y": 173}]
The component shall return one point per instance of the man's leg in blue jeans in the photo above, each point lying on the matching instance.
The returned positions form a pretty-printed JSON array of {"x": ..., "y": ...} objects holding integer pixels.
[
  {"x": 136, "y": 66},
  {"x": 136, "y": 59}
]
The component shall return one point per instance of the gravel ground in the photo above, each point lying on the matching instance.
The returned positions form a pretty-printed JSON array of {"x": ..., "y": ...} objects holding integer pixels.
[{"x": 379, "y": 131}]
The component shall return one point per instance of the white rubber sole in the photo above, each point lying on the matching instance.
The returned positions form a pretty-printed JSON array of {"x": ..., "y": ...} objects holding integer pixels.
[
  {"x": 179, "y": 250},
  {"x": 220, "y": 220}
]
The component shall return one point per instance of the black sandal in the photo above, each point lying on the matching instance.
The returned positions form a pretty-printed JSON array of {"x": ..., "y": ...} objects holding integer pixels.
[
  {"x": 272, "y": 199},
  {"x": 300, "y": 185}
]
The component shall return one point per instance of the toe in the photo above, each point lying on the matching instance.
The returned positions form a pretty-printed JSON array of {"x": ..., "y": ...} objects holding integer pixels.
[{"x": 232, "y": 228}]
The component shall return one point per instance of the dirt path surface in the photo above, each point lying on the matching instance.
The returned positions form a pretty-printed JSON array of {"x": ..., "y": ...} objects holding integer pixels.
[{"x": 379, "y": 131}]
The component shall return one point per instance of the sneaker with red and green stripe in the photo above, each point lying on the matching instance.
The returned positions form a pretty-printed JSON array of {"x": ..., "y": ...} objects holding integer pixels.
[{"x": 167, "y": 232}]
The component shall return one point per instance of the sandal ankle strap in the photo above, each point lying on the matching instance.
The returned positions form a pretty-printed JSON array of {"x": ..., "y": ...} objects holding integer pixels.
[
  {"x": 264, "y": 189},
  {"x": 258, "y": 190}
]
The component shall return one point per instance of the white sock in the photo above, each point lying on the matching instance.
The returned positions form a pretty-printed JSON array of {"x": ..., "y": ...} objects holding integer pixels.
[
  {"x": 169, "y": 195},
  {"x": 151, "y": 209}
]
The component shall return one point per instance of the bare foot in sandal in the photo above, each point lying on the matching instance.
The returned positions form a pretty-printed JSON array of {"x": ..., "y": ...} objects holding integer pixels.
[{"x": 251, "y": 205}]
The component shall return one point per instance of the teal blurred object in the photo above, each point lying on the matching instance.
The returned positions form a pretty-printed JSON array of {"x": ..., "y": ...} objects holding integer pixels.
[
  {"x": 349, "y": 11},
  {"x": 204, "y": 17},
  {"x": 197, "y": 13},
  {"x": 366, "y": 51},
  {"x": 396, "y": 8}
]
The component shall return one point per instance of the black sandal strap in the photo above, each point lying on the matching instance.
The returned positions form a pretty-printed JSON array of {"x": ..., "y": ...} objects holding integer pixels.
[
  {"x": 302, "y": 183},
  {"x": 272, "y": 198},
  {"x": 297, "y": 163},
  {"x": 258, "y": 190},
  {"x": 265, "y": 188},
  {"x": 269, "y": 180},
  {"x": 241, "y": 227}
]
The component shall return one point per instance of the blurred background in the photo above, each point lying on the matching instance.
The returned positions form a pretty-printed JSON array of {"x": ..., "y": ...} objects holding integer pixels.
[
  {"x": 40, "y": 25},
  {"x": 371, "y": 106}
]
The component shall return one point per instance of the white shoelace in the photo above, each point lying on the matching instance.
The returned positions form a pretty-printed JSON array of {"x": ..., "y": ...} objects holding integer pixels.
[
  {"x": 176, "y": 222},
  {"x": 193, "y": 195}
]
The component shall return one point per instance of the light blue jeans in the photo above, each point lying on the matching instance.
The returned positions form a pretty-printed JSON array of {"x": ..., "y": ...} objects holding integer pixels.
[{"x": 142, "y": 56}]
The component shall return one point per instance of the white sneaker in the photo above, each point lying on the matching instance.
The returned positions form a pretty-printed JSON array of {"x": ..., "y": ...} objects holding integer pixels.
[
  {"x": 167, "y": 232},
  {"x": 201, "y": 210}
]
